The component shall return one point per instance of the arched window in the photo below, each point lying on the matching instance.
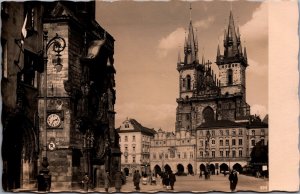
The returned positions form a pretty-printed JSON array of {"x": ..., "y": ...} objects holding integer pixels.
[
  {"x": 188, "y": 82},
  {"x": 229, "y": 76},
  {"x": 208, "y": 114}
]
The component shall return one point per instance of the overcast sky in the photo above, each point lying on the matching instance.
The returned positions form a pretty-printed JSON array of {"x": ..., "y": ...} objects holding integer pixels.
[{"x": 149, "y": 36}]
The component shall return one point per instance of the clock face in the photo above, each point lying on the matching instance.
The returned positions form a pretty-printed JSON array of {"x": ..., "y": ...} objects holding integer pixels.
[{"x": 53, "y": 120}]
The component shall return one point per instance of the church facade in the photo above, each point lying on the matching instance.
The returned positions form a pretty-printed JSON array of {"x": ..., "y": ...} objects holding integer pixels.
[{"x": 212, "y": 111}]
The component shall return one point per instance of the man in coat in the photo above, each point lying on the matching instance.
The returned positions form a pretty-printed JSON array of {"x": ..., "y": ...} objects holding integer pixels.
[
  {"x": 106, "y": 181},
  {"x": 172, "y": 179},
  {"x": 118, "y": 182},
  {"x": 233, "y": 179},
  {"x": 136, "y": 180}
]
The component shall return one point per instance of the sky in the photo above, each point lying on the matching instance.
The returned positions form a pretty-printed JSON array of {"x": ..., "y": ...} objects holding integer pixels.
[{"x": 148, "y": 37}]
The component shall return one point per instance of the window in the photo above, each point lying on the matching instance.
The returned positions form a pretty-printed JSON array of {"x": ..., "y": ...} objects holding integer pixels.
[
  {"x": 126, "y": 125},
  {"x": 187, "y": 117},
  {"x": 201, "y": 154},
  {"x": 201, "y": 143},
  {"x": 240, "y": 153},
  {"x": 126, "y": 138},
  {"x": 126, "y": 159},
  {"x": 252, "y": 142},
  {"x": 253, "y": 132},
  {"x": 233, "y": 154},
  {"x": 178, "y": 155},
  {"x": 184, "y": 155},
  {"x": 233, "y": 132},
  {"x": 233, "y": 142},
  {"x": 221, "y": 142},
  {"x": 4, "y": 58},
  {"x": 227, "y": 142},
  {"x": 221, "y": 132},
  {"x": 133, "y": 138},
  {"x": 213, "y": 141},
  {"x": 213, "y": 133},
  {"x": 188, "y": 82},
  {"x": 230, "y": 77},
  {"x": 29, "y": 75},
  {"x": 160, "y": 156},
  {"x": 227, "y": 132},
  {"x": 183, "y": 83},
  {"x": 133, "y": 159},
  {"x": 240, "y": 141},
  {"x": 240, "y": 132},
  {"x": 126, "y": 149},
  {"x": 227, "y": 154},
  {"x": 221, "y": 153},
  {"x": 133, "y": 148},
  {"x": 213, "y": 154},
  {"x": 208, "y": 114}
]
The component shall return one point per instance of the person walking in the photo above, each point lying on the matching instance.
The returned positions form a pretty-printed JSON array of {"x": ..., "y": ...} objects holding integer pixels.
[
  {"x": 172, "y": 179},
  {"x": 107, "y": 181},
  {"x": 118, "y": 182},
  {"x": 233, "y": 179},
  {"x": 136, "y": 180},
  {"x": 85, "y": 181}
]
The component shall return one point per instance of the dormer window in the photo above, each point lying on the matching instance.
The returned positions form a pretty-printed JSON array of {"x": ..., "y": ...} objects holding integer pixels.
[{"x": 126, "y": 125}]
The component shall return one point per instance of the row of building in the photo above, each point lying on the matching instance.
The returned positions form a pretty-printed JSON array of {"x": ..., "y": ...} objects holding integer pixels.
[
  {"x": 214, "y": 130},
  {"x": 58, "y": 95}
]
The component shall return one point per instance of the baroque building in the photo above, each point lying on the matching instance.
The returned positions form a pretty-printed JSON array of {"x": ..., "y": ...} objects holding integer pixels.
[
  {"x": 135, "y": 143},
  {"x": 212, "y": 111},
  {"x": 59, "y": 94}
]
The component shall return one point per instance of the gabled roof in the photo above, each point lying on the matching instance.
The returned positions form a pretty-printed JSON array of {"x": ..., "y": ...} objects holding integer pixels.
[{"x": 137, "y": 126}]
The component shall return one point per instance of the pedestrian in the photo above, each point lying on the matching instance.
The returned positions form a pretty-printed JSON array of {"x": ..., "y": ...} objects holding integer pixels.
[
  {"x": 200, "y": 175},
  {"x": 172, "y": 179},
  {"x": 85, "y": 181},
  {"x": 107, "y": 181},
  {"x": 118, "y": 182},
  {"x": 233, "y": 179},
  {"x": 136, "y": 180}
]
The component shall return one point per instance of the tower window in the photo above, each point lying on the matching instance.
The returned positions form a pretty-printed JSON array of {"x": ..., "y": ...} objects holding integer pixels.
[
  {"x": 208, "y": 114},
  {"x": 183, "y": 83},
  {"x": 229, "y": 75},
  {"x": 188, "y": 82}
]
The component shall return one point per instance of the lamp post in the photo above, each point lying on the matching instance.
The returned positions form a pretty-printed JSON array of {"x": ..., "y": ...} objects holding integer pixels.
[{"x": 58, "y": 44}]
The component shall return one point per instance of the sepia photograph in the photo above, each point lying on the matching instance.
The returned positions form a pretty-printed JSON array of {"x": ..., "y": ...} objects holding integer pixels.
[{"x": 142, "y": 96}]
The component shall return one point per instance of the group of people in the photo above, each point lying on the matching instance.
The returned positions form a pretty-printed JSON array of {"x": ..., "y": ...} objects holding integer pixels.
[{"x": 168, "y": 179}]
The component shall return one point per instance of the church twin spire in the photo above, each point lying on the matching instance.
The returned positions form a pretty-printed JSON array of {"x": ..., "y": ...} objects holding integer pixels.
[{"x": 232, "y": 45}]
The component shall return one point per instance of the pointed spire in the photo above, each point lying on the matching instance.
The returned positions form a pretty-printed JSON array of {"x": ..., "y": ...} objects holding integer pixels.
[
  {"x": 245, "y": 53},
  {"x": 190, "y": 11},
  {"x": 218, "y": 51},
  {"x": 179, "y": 58}
]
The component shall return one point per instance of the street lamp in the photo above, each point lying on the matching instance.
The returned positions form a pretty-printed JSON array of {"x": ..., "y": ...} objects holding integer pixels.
[{"x": 58, "y": 44}]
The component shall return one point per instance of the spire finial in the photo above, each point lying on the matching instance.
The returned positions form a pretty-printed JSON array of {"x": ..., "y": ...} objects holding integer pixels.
[{"x": 190, "y": 11}]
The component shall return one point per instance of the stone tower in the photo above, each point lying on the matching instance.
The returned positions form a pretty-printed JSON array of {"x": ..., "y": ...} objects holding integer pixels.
[{"x": 232, "y": 65}]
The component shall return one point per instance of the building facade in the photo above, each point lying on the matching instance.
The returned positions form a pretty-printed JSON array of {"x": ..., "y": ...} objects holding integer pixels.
[
  {"x": 135, "y": 143},
  {"x": 212, "y": 111},
  {"x": 64, "y": 90}
]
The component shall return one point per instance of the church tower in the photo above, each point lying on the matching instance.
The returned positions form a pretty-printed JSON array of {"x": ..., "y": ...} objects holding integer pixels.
[{"x": 233, "y": 63}]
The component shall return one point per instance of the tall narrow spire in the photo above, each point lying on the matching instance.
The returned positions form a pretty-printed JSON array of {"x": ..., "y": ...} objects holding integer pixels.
[
  {"x": 179, "y": 58},
  {"x": 245, "y": 53},
  {"x": 190, "y": 11}
]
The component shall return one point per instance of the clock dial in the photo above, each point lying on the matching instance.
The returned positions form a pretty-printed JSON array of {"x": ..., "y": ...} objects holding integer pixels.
[{"x": 53, "y": 120}]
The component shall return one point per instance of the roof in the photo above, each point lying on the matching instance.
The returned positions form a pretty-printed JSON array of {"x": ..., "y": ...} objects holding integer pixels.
[
  {"x": 137, "y": 128},
  {"x": 219, "y": 124}
]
